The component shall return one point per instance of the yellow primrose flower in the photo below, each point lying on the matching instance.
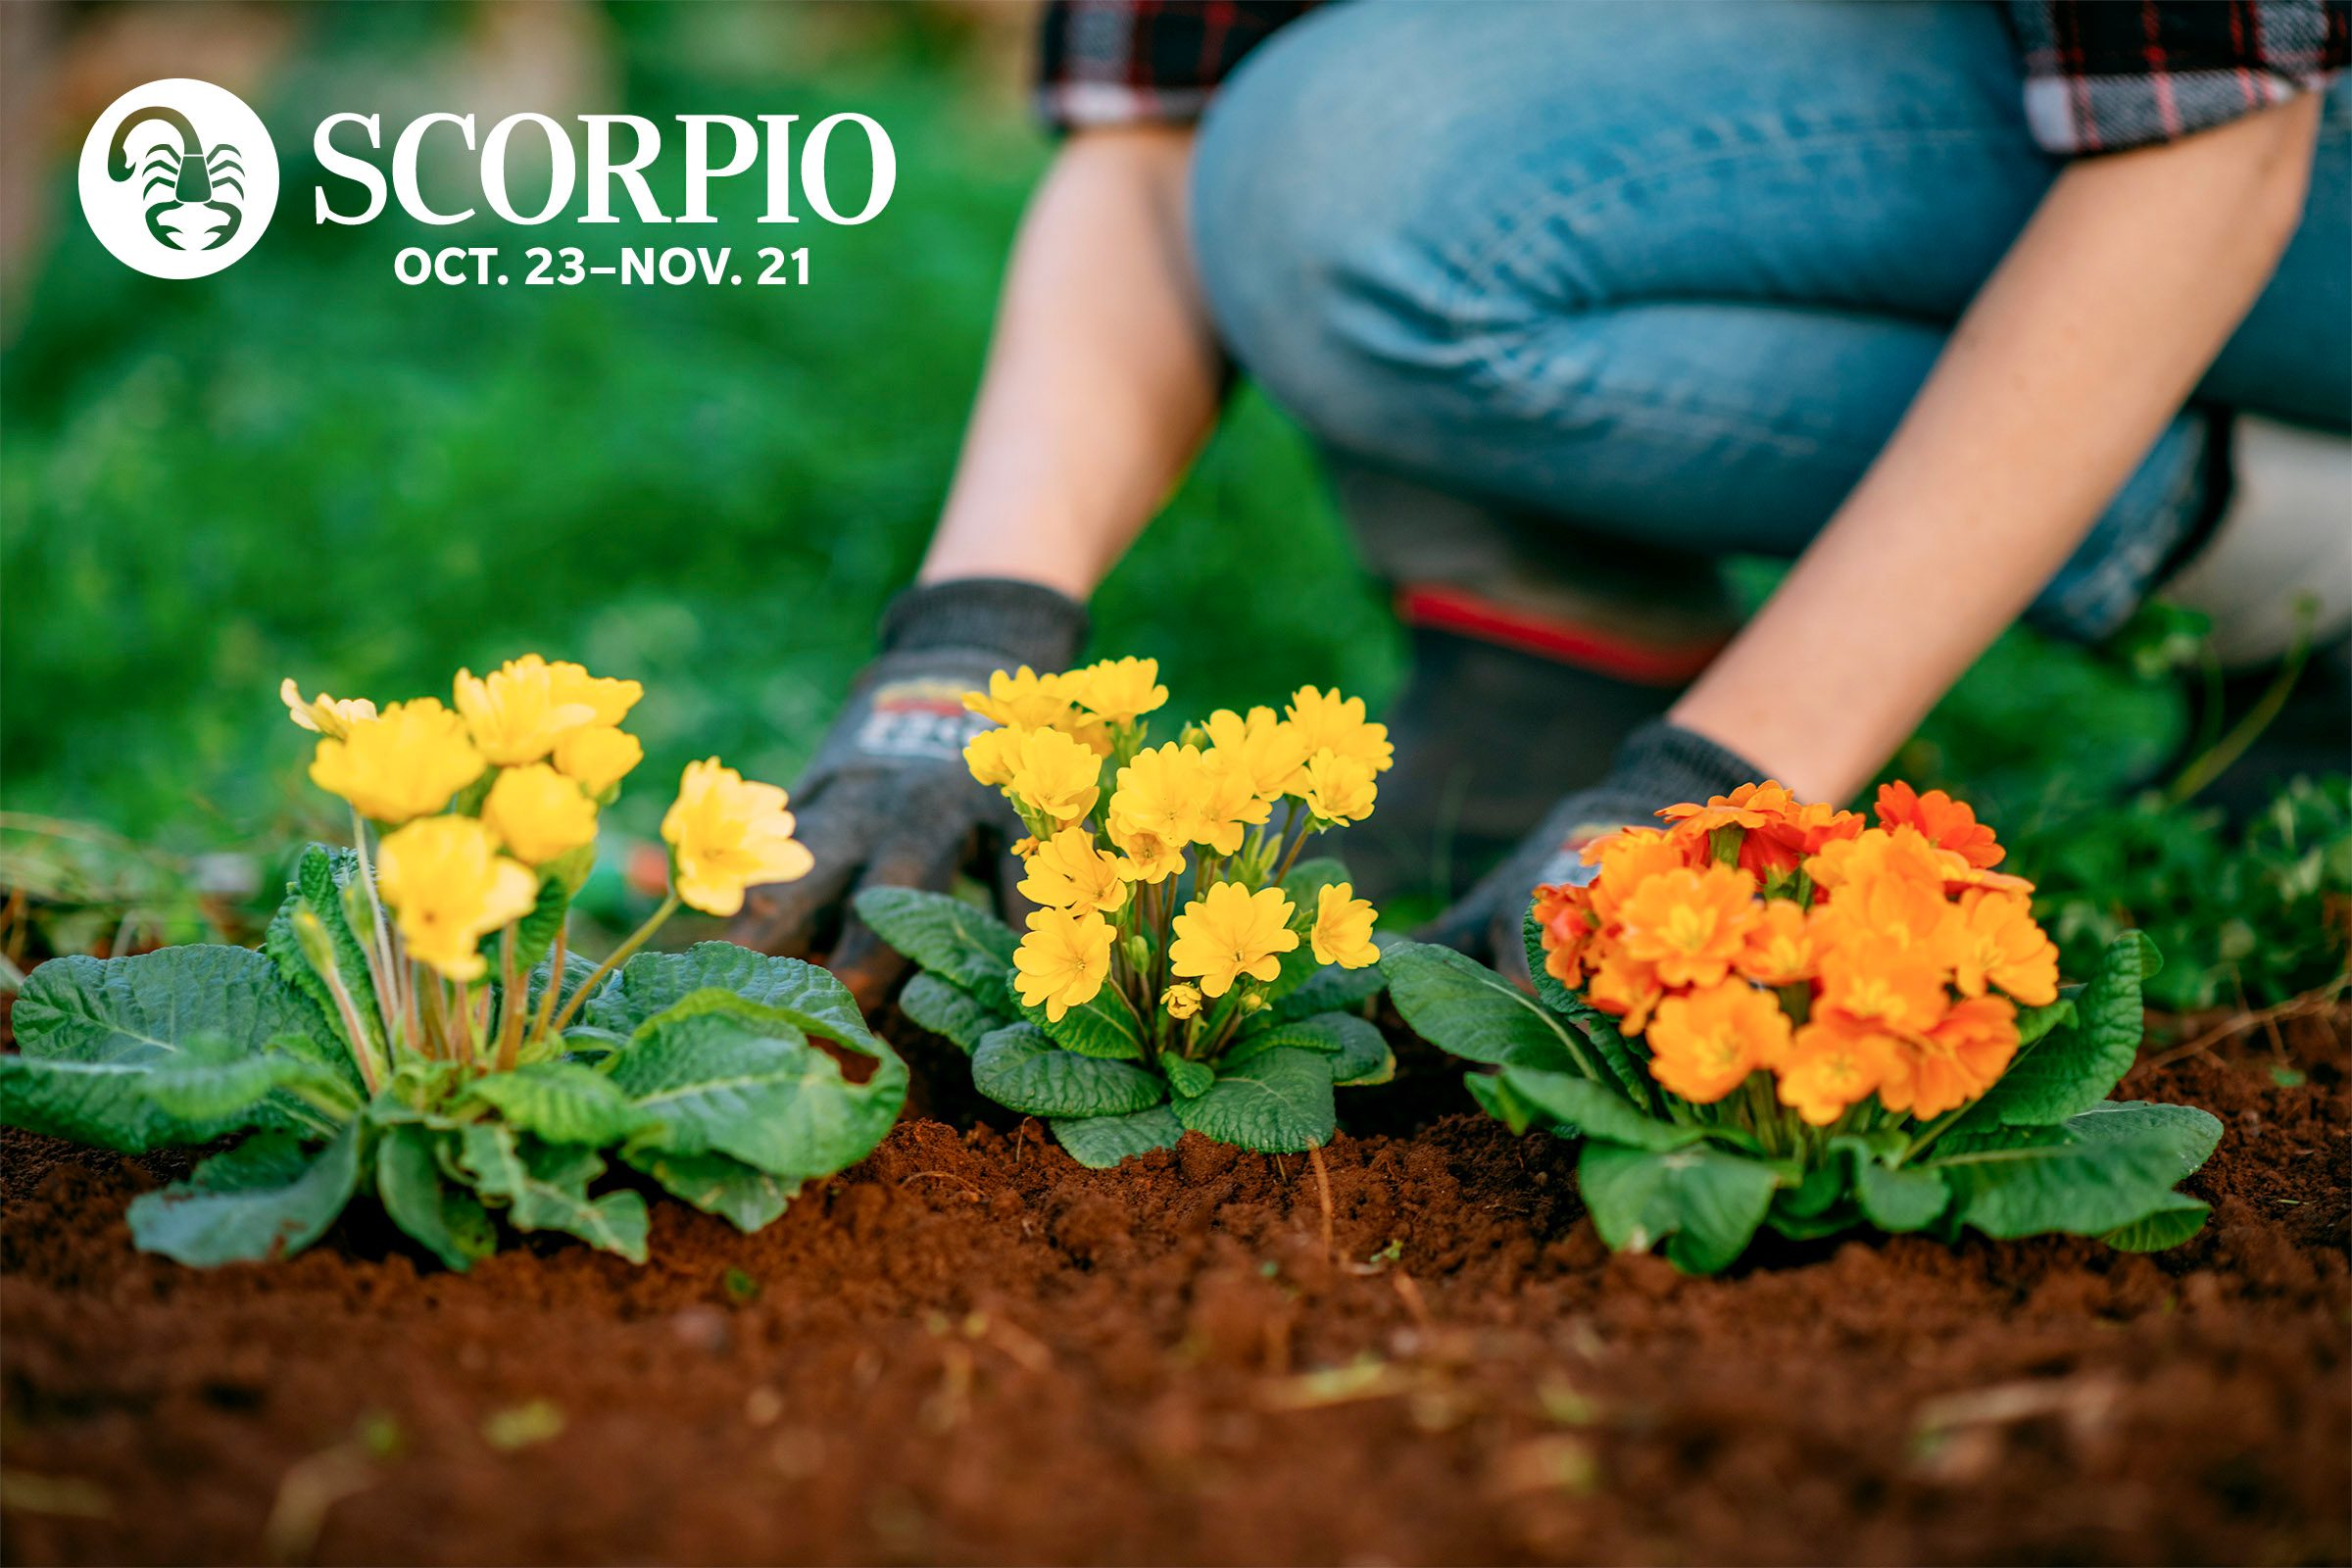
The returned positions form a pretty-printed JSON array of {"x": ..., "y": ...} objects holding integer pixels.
[
  {"x": 1069, "y": 873},
  {"x": 323, "y": 714},
  {"x": 1022, "y": 699},
  {"x": 608, "y": 699},
  {"x": 1159, "y": 793},
  {"x": 727, "y": 834},
  {"x": 404, "y": 762},
  {"x": 598, "y": 756},
  {"x": 1339, "y": 788},
  {"x": 1231, "y": 932},
  {"x": 1116, "y": 690},
  {"x": 1145, "y": 856},
  {"x": 1181, "y": 1001},
  {"x": 1342, "y": 930},
  {"x": 538, "y": 813},
  {"x": 1226, "y": 802},
  {"x": 1328, "y": 719},
  {"x": 1061, "y": 963},
  {"x": 1056, "y": 776},
  {"x": 1270, "y": 750},
  {"x": 449, "y": 887},
  {"x": 991, "y": 754},
  {"x": 516, "y": 713}
]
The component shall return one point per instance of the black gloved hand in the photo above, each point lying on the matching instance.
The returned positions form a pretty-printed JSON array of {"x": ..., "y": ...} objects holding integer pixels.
[
  {"x": 1658, "y": 765},
  {"x": 887, "y": 800}
]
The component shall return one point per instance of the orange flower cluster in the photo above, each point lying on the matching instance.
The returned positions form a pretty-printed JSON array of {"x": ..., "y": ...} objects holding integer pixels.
[{"x": 1759, "y": 933}]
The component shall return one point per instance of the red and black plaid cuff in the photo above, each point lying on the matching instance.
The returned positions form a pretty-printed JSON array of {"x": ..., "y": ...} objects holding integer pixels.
[
  {"x": 1128, "y": 62},
  {"x": 2105, "y": 74}
]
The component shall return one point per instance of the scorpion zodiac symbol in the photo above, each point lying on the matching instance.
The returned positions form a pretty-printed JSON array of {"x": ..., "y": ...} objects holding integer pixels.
[{"x": 191, "y": 176}]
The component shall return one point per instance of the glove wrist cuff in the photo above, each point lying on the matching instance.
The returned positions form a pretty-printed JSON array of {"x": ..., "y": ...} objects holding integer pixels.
[
  {"x": 1023, "y": 622},
  {"x": 1664, "y": 765}
]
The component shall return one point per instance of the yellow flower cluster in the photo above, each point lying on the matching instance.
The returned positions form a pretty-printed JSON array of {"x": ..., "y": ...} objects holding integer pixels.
[
  {"x": 1113, "y": 819},
  {"x": 483, "y": 802},
  {"x": 1759, "y": 934}
]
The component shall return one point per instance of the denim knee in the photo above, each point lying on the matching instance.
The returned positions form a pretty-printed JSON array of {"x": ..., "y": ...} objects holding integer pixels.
[{"x": 1314, "y": 227}]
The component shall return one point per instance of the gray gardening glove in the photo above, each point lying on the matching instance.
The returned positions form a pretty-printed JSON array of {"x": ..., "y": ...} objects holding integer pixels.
[
  {"x": 1658, "y": 765},
  {"x": 887, "y": 800}
]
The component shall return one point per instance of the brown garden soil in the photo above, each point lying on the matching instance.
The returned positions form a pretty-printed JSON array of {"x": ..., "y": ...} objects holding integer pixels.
[{"x": 967, "y": 1348}]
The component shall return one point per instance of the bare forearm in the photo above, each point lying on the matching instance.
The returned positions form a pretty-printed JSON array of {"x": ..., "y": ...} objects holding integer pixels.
[
  {"x": 2083, "y": 343},
  {"x": 1102, "y": 376}
]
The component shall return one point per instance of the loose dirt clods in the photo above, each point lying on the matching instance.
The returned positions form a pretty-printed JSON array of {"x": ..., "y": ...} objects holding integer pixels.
[{"x": 1028, "y": 1362}]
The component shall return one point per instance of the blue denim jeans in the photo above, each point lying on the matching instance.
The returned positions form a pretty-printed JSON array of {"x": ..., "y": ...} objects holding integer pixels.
[{"x": 1672, "y": 273}]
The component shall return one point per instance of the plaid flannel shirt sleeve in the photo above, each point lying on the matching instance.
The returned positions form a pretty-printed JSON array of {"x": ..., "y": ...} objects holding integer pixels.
[
  {"x": 2105, "y": 74},
  {"x": 1132, "y": 61}
]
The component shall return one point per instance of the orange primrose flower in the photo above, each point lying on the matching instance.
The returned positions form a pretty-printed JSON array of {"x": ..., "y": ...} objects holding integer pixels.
[
  {"x": 1947, "y": 823},
  {"x": 1625, "y": 987},
  {"x": 1781, "y": 949},
  {"x": 1690, "y": 925},
  {"x": 1703, "y": 1044},
  {"x": 1998, "y": 943},
  {"x": 1834, "y": 1063},
  {"x": 1898, "y": 988},
  {"x": 1955, "y": 1061},
  {"x": 1629, "y": 859},
  {"x": 1564, "y": 915},
  {"x": 1750, "y": 806}
]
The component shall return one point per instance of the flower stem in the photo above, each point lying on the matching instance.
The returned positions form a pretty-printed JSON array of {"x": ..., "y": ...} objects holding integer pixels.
[
  {"x": 614, "y": 960},
  {"x": 510, "y": 1002},
  {"x": 555, "y": 978},
  {"x": 382, "y": 967}
]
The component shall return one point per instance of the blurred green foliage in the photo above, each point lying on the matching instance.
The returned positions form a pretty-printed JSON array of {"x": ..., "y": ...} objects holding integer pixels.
[{"x": 301, "y": 466}]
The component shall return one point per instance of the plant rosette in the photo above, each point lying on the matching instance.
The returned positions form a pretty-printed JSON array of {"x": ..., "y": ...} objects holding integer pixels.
[
  {"x": 415, "y": 1023},
  {"x": 1770, "y": 1013},
  {"x": 1184, "y": 968}
]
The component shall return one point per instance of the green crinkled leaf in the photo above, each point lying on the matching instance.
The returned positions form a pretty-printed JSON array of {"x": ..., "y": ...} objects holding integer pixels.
[
  {"x": 1364, "y": 1057},
  {"x": 2035, "y": 1022},
  {"x": 1466, "y": 1009},
  {"x": 263, "y": 1199},
  {"x": 1495, "y": 1099},
  {"x": 232, "y": 1086},
  {"x": 1103, "y": 1026},
  {"x": 1700, "y": 1206},
  {"x": 320, "y": 877},
  {"x": 1897, "y": 1201},
  {"x": 930, "y": 1002},
  {"x": 1278, "y": 1102},
  {"x": 1019, "y": 1069},
  {"x": 1595, "y": 1111},
  {"x": 2161, "y": 1228},
  {"x": 715, "y": 1073},
  {"x": 745, "y": 1197},
  {"x": 2116, "y": 1166},
  {"x": 1191, "y": 1079},
  {"x": 577, "y": 971},
  {"x": 443, "y": 1218},
  {"x": 1101, "y": 1141},
  {"x": 2071, "y": 1069},
  {"x": 561, "y": 1101},
  {"x": 545, "y": 1188},
  {"x": 1330, "y": 989},
  {"x": 535, "y": 932},
  {"x": 969, "y": 949},
  {"x": 139, "y": 1008},
  {"x": 1608, "y": 1043},
  {"x": 807, "y": 997},
  {"x": 2191, "y": 1134},
  {"x": 135, "y": 1105}
]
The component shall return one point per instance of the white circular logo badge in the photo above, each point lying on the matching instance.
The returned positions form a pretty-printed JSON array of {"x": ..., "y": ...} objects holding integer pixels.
[{"x": 179, "y": 179}]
